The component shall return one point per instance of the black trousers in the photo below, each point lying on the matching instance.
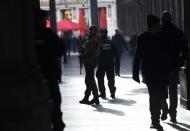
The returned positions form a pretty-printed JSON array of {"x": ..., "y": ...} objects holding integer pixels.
[
  {"x": 117, "y": 67},
  {"x": 171, "y": 90},
  {"x": 90, "y": 81},
  {"x": 156, "y": 90},
  {"x": 100, "y": 74},
  {"x": 56, "y": 114}
]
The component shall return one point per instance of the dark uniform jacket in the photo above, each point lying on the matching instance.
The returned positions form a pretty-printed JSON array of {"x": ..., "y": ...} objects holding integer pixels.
[{"x": 108, "y": 55}]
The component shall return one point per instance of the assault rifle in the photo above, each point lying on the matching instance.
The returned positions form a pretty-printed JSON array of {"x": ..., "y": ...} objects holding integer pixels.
[{"x": 81, "y": 58}]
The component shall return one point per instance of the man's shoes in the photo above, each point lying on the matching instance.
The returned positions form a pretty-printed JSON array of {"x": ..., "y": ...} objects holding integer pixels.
[
  {"x": 84, "y": 101},
  {"x": 117, "y": 74},
  {"x": 113, "y": 93},
  {"x": 164, "y": 116},
  {"x": 94, "y": 101},
  {"x": 173, "y": 117},
  {"x": 173, "y": 120},
  {"x": 156, "y": 126},
  {"x": 103, "y": 96}
]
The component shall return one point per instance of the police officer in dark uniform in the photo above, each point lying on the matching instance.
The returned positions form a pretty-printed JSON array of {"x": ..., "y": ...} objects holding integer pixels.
[{"x": 108, "y": 56}]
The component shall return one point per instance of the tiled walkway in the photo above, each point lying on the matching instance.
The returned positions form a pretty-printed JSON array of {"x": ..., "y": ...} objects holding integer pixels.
[{"x": 128, "y": 112}]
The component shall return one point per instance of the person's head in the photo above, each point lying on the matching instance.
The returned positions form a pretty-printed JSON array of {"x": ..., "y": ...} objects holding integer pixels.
[
  {"x": 103, "y": 33},
  {"x": 117, "y": 31},
  {"x": 153, "y": 23},
  {"x": 166, "y": 17},
  {"x": 40, "y": 17},
  {"x": 93, "y": 30}
]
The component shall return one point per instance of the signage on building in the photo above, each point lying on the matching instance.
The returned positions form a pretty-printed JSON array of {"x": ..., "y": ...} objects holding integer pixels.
[{"x": 73, "y": 2}]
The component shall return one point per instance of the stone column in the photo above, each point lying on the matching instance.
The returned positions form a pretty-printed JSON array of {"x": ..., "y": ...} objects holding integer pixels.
[
  {"x": 53, "y": 20},
  {"x": 94, "y": 13},
  {"x": 180, "y": 14},
  {"x": 177, "y": 13},
  {"x": 185, "y": 72},
  {"x": 23, "y": 96}
]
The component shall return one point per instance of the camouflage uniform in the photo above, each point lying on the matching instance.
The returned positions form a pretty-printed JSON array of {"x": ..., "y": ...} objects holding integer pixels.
[{"x": 90, "y": 59}]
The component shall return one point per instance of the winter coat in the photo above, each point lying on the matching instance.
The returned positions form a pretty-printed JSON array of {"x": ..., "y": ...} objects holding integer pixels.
[
  {"x": 49, "y": 48},
  {"x": 90, "y": 51},
  {"x": 151, "y": 57},
  {"x": 177, "y": 45},
  {"x": 119, "y": 42}
]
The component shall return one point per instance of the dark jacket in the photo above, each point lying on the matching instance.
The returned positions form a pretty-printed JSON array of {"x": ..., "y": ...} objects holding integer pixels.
[
  {"x": 49, "y": 47},
  {"x": 151, "y": 57},
  {"x": 119, "y": 42},
  {"x": 108, "y": 55},
  {"x": 90, "y": 51},
  {"x": 177, "y": 45}
]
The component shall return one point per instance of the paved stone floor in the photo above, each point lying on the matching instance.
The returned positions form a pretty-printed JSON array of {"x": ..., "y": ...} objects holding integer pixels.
[{"x": 128, "y": 112}]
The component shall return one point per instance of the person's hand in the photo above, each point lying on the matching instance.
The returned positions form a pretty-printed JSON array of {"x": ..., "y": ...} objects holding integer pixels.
[{"x": 136, "y": 78}]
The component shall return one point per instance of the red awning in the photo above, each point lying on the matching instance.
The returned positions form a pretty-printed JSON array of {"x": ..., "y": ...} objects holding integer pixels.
[
  {"x": 103, "y": 20},
  {"x": 82, "y": 26},
  {"x": 67, "y": 25},
  {"x": 64, "y": 25}
]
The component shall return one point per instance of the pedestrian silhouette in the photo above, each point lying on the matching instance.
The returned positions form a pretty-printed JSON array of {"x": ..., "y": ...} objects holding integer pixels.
[
  {"x": 65, "y": 59},
  {"x": 120, "y": 44},
  {"x": 49, "y": 48},
  {"x": 108, "y": 58},
  {"x": 177, "y": 51},
  {"x": 132, "y": 44},
  {"x": 90, "y": 59},
  {"x": 151, "y": 57}
]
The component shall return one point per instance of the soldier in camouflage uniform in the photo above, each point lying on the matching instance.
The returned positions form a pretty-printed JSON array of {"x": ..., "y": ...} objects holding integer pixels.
[{"x": 90, "y": 58}]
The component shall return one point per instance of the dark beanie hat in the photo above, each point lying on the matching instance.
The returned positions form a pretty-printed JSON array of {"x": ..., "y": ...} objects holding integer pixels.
[
  {"x": 93, "y": 27},
  {"x": 151, "y": 20}
]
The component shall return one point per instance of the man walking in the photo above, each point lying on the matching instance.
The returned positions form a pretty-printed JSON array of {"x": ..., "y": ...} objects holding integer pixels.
[
  {"x": 177, "y": 52},
  {"x": 151, "y": 57},
  {"x": 49, "y": 49},
  {"x": 120, "y": 44},
  {"x": 90, "y": 58}
]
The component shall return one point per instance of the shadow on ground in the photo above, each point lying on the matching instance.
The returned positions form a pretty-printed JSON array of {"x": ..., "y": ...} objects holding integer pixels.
[
  {"x": 139, "y": 91},
  {"x": 179, "y": 126},
  {"x": 122, "y": 102},
  {"x": 100, "y": 108}
]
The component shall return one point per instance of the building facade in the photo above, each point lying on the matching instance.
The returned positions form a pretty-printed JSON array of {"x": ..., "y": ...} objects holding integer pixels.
[
  {"x": 71, "y": 9},
  {"x": 135, "y": 12},
  {"x": 134, "y": 17}
]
